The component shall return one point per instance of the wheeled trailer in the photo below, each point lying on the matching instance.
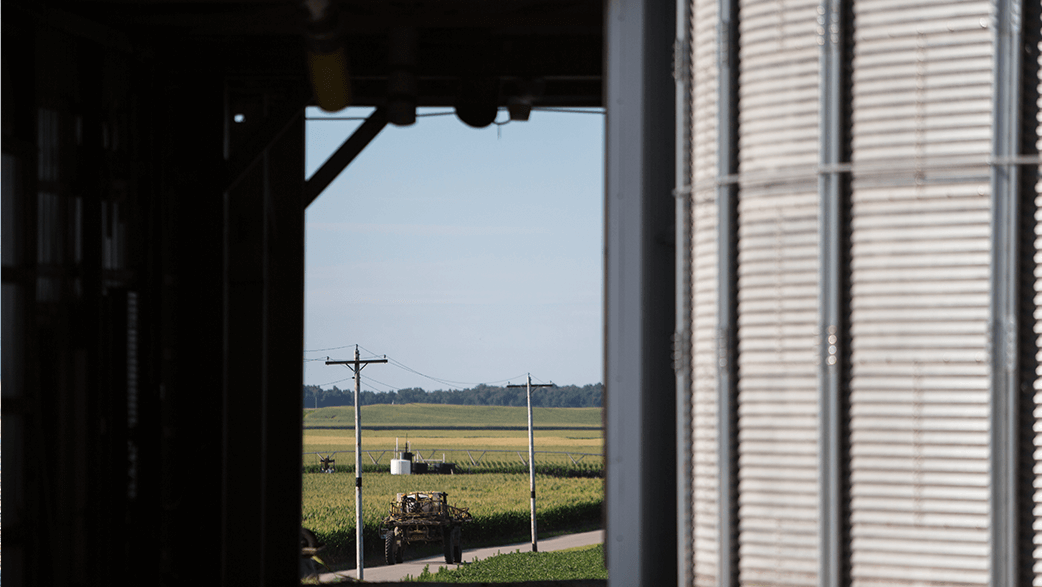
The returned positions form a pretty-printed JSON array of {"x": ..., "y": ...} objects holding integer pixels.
[{"x": 423, "y": 517}]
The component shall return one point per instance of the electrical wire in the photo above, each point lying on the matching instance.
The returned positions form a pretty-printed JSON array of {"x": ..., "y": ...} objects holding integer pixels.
[
  {"x": 396, "y": 363},
  {"x": 337, "y": 381},
  {"x": 336, "y": 348},
  {"x": 448, "y": 382},
  {"x": 568, "y": 110},
  {"x": 366, "y": 378},
  {"x": 538, "y": 380}
]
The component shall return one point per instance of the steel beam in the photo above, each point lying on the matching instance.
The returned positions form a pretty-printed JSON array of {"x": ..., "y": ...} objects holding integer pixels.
[
  {"x": 263, "y": 335},
  {"x": 1004, "y": 311},
  {"x": 833, "y": 328},
  {"x": 639, "y": 295},
  {"x": 682, "y": 343},
  {"x": 344, "y": 155},
  {"x": 282, "y": 117}
]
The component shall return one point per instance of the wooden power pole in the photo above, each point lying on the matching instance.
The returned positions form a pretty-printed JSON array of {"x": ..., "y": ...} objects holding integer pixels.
[
  {"x": 356, "y": 365},
  {"x": 531, "y": 451}
]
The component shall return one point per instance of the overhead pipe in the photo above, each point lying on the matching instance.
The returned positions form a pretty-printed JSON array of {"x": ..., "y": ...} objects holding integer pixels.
[
  {"x": 327, "y": 56},
  {"x": 401, "y": 76}
]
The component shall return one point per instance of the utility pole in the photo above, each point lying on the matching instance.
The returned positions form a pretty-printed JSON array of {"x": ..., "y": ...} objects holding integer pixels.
[
  {"x": 356, "y": 365},
  {"x": 531, "y": 451}
]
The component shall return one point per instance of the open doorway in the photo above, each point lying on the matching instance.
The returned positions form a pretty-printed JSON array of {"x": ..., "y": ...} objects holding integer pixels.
[{"x": 470, "y": 258}]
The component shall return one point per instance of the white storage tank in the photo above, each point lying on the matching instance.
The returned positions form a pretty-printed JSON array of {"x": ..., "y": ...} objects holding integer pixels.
[{"x": 401, "y": 467}]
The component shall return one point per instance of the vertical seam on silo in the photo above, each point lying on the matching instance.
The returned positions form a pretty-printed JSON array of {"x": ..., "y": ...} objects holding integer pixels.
[
  {"x": 833, "y": 179},
  {"x": 727, "y": 297},
  {"x": 683, "y": 337},
  {"x": 1003, "y": 318},
  {"x": 1027, "y": 408}
]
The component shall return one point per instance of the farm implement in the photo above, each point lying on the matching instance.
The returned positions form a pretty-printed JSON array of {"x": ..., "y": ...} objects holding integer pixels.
[{"x": 423, "y": 517}]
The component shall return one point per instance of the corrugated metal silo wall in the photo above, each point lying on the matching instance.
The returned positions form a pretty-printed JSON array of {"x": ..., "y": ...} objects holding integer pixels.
[
  {"x": 704, "y": 261},
  {"x": 1035, "y": 446},
  {"x": 922, "y": 88},
  {"x": 777, "y": 292},
  {"x": 919, "y": 78}
]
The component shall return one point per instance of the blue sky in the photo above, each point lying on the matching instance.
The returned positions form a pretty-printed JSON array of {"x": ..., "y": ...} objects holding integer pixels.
[{"x": 468, "y": 255}]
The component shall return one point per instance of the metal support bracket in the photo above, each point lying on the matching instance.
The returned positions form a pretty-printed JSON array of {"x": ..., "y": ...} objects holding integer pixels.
[{"x": 343, "y": 156}]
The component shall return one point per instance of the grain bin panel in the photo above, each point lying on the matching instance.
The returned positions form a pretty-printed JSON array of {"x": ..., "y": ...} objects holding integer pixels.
[
  {"x": 778, "y": 293},
  {"x": 920, "y": 232},
  {"x": 704, "y": 211},
  {"x": 1035, "y": 25}
]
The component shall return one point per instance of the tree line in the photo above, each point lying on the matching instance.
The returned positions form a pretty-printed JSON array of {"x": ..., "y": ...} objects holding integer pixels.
[{"x": 564, "y": 396}]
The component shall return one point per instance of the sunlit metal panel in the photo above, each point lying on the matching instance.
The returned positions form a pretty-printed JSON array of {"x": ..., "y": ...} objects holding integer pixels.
[
  {"x": 704, "y": 255},
  {"x": 919, "y": 293},
  {"x": 778, "y": 292}
]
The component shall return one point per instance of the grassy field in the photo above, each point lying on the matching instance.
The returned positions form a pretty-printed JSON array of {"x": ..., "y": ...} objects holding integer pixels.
[
  {"x": 498, "y": 502},
  {"x": 582, "y": 563}
]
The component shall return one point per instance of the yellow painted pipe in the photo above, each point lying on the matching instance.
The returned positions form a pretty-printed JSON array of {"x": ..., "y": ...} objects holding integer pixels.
[{"x": 330, "y": 79}]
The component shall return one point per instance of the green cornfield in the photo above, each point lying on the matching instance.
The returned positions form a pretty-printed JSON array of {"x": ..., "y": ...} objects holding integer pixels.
[
  {"x": 499, "y": 503},
  {"x": 489, "y": 446}
]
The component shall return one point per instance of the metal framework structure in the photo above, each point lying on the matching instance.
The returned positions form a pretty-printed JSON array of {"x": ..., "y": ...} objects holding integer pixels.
[
  {"x": 153, "y": 242},
  {"x": 153, "y": 209},
  {"x": 640, "y": 275},
  {"x": 915, "y": 207}
]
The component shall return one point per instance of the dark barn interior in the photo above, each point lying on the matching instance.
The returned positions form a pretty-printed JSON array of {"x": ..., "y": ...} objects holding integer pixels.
[{"x": 153, "y": 252}]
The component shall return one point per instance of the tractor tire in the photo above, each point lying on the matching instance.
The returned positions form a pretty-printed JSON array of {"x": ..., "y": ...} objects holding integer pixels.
[
  {"x": 389, "y": 551},
  {"x": 308, "y": 539},
  {"x": 446, "y": 541},
  {"x": 457, "y": 544}
]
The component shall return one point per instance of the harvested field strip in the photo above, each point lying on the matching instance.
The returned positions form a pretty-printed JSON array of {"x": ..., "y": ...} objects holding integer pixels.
[
  {"x": 465, "y": 459},
  {"x": 451, "y": 415},
  {"x": 391, "y": 435},
  {"x": 420, "y": 443}
]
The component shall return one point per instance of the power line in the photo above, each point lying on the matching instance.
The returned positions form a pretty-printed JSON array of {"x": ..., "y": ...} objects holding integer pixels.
[
  {"x": 336, "y": 348},
  {"x": 337, "y": 381},
  {"x": 568, "y": 110},
  {"x": 371, "y": 381},
  {"x": 448, "y": 382},
  {"x": 384, "y": 358}
]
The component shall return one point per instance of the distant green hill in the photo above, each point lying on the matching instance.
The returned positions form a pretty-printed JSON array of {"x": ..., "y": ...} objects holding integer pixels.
[{"x": 384, "y": 416}]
